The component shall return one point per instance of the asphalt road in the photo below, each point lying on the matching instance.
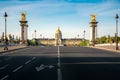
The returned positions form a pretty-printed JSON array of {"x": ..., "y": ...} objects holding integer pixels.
[{"x": 59, "y": 63}]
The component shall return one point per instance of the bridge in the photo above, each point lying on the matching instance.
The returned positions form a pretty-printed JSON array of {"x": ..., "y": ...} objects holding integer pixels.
[{"x": 59, "y": 63}]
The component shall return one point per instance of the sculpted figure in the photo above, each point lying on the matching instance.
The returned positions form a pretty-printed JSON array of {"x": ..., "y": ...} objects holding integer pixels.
[
  {"x": 23, "y": 17},
  {"x": 93, "y": 17}
]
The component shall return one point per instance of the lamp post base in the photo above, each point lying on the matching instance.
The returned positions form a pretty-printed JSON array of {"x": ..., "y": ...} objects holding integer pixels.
[
  {"x": 117, "y": 48},
  {"x": 6, "y": 48}
]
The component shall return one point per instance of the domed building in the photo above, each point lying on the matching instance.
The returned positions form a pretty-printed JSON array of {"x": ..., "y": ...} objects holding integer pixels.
[
  {"x": 58, "y": 37},
  {"x": 58, "y": 40}
]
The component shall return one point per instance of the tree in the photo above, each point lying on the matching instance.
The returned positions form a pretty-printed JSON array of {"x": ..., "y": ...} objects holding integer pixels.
[
  {"x": 102, "y": 39},
  {"x": 2, "y": 38},
  {"x": 84, "y": 43},
  {"x": 10, "y": 37}
]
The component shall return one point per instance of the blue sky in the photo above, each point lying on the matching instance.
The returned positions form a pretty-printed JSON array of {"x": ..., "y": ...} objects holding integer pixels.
[{"x": 72, "y": 16}]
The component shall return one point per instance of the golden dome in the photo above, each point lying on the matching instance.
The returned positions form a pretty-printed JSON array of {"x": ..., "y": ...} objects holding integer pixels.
[{"x": 58, "y": 31}]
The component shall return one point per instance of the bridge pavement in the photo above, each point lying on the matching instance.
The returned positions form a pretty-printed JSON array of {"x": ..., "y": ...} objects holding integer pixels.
[
  {"x": 108, "y": 48},
  {"x": 59, "y": 63},
  {"x": 12, "y": 48}
]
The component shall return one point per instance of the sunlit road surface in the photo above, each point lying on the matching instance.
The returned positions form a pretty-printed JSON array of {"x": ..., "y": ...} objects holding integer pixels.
[{"x": 59, "y": 63}]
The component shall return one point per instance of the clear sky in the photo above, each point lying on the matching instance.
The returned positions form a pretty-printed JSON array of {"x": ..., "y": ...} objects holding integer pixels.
[{"x": 72, "y": 16}]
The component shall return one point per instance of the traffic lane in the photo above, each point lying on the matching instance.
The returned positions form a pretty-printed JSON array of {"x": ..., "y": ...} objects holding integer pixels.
[
  {"x": 11, "y": 65},
  {"x": 85, "y": 68},
  {"x": 89, "y": 59},
  {"x": 64, "y": 49},
  {"x": 42, "y": 68},
  {"x": 34, "y": 51},
  {"x": 86, "y": 52},
  {"x": 90, "y": 71}
]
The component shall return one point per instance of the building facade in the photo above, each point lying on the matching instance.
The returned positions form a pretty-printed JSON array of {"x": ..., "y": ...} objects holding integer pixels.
[{"x": 58, "y": 40}]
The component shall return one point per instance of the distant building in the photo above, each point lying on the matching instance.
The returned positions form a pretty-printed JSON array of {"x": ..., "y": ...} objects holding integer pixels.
[{"x": 58, "y": 40}]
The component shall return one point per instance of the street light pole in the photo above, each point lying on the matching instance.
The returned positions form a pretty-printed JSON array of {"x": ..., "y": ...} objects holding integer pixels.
[
  {"x": 35, "y": 34},
  {"x": 116, "y": 17},
  {"x": 84, "y": 37},
  {"x": 6, "y": 40}
]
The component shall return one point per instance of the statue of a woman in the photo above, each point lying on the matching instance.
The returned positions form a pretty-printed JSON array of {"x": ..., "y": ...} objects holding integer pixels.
[
  {"x": 93, "y": 17},
  {"x": 23, "y": 17}
]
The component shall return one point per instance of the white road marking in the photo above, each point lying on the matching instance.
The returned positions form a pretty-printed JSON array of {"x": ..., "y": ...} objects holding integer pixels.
[
  {"x": 27, "y": 61},
  {"x": 59, "y": 66},
  {"x": 33, "y": 58},
  {"x": 17, "y": 68},
  {"x": 4, "y": 77},
  {"x": 40, "y": 68},
  {"x": 59, "y": 74},
  {"x": 30, "y": 60},
  {"x": 3, "y": 67},
  {"x": 50, "y": 67}
]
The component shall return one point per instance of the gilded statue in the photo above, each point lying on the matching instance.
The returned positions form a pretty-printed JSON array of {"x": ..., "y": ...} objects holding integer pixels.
[
  {"x": 23, "y": 16},
  {"x": 93, "y": 18}
]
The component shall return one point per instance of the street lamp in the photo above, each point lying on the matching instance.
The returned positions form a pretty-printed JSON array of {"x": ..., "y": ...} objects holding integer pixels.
[
  {"x": 35, "y": 34},
  {"x": 84, "y": 37},
  {"x": 6, "y": 40},
  {"x": 116, "y": 35}
]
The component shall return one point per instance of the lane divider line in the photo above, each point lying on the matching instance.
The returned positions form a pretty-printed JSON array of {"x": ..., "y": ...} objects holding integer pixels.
[
  {"x": 33, "y": 58},
  {"x": 17, "y": 68},
  {"x": 3, "y": 67},
  {"x": 4, "y": 77},
  {"x": 27, "y": 61},
  {"x": 59, "y": 65}
]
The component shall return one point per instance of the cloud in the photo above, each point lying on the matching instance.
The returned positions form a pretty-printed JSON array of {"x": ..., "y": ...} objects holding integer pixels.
[
  {"x": 47, "y": 14},
  {"x": 101, "y": 9}
]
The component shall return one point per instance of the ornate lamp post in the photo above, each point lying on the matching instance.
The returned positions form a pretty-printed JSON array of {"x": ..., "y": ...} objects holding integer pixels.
[
  {"x": 6, "y": 40},
  {"x": 35, "y": 38},
  {"x": 84, "y": 37},
  {"x": 35, "y": 34},
  {"x": 116, "y": 17}
]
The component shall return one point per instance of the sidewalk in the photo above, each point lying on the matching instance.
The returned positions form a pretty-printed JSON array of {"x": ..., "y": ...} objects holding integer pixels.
[
  {"x": 12, "y": 48},
  {"x": 108, "y": 47}
]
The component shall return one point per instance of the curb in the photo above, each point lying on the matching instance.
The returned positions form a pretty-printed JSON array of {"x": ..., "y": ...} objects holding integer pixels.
[
  {"x": 12, "y": 50},
  {"x": 118, "y": 51}
]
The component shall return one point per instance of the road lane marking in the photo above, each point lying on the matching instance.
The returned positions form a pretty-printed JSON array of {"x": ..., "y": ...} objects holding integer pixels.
[
  {"x": 4, "y": 77},
  {"x": 59, "y": 65},
  {"x": 42, "y": 66},
  {"x": 17, "y": 68},
  {"x": 33, "y": 58},
  {"x": 27, "y": 61},
  {"x": 50, "y": 66},
  {"x": 59, "y": 74},
  {"x": 3, "y": 67}
]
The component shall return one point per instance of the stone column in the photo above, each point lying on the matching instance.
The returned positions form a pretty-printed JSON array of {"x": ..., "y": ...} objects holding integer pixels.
[
  {"x": 93, "y": 30},
  {"x": 24, "y": 33}
]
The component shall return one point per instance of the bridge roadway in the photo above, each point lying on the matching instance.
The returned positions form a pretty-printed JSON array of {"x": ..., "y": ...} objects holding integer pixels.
[{"x": 59, "y": 63}]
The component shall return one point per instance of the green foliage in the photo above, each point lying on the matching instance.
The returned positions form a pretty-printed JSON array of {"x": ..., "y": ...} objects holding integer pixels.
[
  {"x": 108, "y": 39},
  {"x": 84, "y": 43},
  {"x": 32, "y": 43}
]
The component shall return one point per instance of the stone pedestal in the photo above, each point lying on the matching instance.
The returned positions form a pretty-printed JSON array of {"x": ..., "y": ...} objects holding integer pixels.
[
  {"x": 24, "y": 26},
  {"x": 93, "y": 32}
]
